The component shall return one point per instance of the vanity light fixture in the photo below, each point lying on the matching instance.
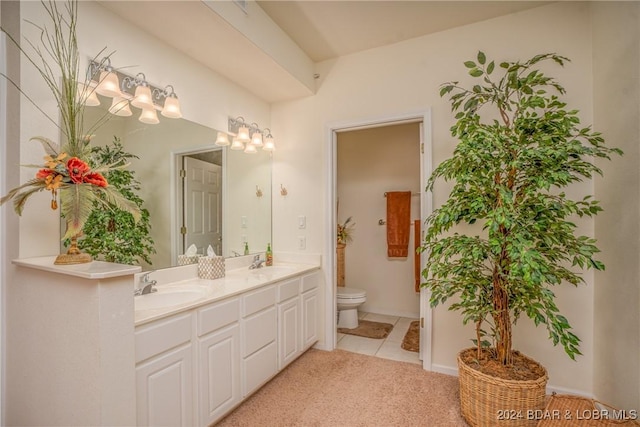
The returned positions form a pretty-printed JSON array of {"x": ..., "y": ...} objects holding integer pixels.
[
  {"x": 149, "y": 116},
  {"x": 86, "y": 94},
  {"x": 222, "y": 140},
  {"x": 125, "y": 90},
  {"x": 241, "y": 141},
  {"x": 120, "y": 107},
  {"x": 108, "y": 83}
]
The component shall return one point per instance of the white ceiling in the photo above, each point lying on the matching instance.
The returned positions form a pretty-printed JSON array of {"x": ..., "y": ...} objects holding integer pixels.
[
  {"x": 322, "y": 29},
  {"x": 329, "y": 29}
]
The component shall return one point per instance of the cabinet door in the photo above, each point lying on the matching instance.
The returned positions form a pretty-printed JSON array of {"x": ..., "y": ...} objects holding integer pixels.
[
  {"x": 219, "y": 377},
  {"x": 309, "y": 318},
  {"x": 289, "y": 322},
  {"x": 164, "y": 389}
]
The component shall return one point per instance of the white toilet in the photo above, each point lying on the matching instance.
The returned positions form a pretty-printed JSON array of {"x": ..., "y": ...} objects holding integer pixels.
[{"x": 349, "y": 299}]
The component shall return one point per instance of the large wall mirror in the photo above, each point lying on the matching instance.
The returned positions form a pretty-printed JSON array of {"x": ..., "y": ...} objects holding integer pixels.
[{"x": 177, "y": 162}]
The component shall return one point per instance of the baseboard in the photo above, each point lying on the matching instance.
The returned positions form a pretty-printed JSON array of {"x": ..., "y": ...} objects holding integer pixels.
[
  {"x": 453, "y": 371},
  {"x": 374, "y": 310}
]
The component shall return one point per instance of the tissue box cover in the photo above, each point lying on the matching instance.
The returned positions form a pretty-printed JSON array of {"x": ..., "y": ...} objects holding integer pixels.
[
  {"x": 188, "y": 259},
  {"x": 211, "y": 267}
]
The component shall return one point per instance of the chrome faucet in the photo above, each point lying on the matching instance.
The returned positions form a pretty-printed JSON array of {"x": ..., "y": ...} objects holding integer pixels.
[
  {"x": 257, "y": 263},
  {"x": 147, "y": 286}
]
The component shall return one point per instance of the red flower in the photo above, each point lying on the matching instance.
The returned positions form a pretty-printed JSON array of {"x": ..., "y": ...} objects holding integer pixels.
[
  {"x": 44, "y": 173},
  {"x": 77, "y": 169},
  {"x": 96, "y": 179}
]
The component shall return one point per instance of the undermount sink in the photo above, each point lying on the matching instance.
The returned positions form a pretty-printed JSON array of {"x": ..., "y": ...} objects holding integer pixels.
[{"x": 170, "y": 297}]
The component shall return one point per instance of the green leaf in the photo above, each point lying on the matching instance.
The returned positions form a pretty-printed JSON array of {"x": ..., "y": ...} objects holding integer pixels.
[
  {"x": 482, "y": 58},
  {"x": 476, "y": 72},
  {"x": 490, "y": 67},
  {"x": 470, "y": 64}
]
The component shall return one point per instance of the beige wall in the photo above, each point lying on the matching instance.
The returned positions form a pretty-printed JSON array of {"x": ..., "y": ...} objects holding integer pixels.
[
  {"x": 404, "y": 78},
  {"x": 371, "y": 162},
  {"x": 616, "y": 59}
]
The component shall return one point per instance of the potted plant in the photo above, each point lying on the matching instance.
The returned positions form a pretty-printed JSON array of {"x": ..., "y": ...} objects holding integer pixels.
[
  {"x": 518, "y": 147},
  {"x": 343, "y": 236},
  {"x": 113, "y": 234}
]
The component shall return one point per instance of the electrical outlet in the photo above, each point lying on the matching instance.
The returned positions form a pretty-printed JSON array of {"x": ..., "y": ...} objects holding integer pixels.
[
  {"x": 302, "y": 222},
  {"x": 302, "y": 242}
]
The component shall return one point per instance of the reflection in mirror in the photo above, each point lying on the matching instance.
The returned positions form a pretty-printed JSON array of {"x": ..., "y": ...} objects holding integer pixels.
[{"x": 227, "y": 209}]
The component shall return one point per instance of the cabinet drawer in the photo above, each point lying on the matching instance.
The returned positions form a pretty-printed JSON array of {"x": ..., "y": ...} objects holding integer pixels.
[
  {"x": 258, "y": 300},
  {"x": 288, "y": 289},
  {"x": 259, "y": 330},
  {"x": 218, "y": 315},
  {"x": 310, "y": 281},
  {"x": 259, "y": 368},
  {"x": 161, "y": 336}
]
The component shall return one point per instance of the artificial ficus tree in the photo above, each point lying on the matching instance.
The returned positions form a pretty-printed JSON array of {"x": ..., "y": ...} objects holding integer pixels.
[{"x": 518, "y": 147}]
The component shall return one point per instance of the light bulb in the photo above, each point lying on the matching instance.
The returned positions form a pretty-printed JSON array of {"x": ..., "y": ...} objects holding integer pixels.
[
  {"x": 269, "y": 144},
  {"x": 149, "y": 116},
  {"x": 250, "y": 149},
  {"x": 171, "y": 107},
  {"x": 256, "y": 139},
  {"x": 86, "y": 95},
  {"x": 120, "y": 107},
  {"x": 222, "y": 139},
  {"x": 236, "y": 144},
  {"x": 142, "y": 98},
  {"x": 243, "y": 134},
  {"x": 108, "y": 84}
]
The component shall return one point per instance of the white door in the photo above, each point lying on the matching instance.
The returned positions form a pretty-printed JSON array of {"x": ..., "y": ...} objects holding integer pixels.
[
  {"x": 202, "y": 205},
  {"x": 426, "y": 207}
]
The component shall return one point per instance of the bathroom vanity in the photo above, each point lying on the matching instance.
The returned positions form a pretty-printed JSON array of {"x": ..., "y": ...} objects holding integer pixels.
[
  {"x": 84, "y": 351},
  {"x": 198, "y": 361}
]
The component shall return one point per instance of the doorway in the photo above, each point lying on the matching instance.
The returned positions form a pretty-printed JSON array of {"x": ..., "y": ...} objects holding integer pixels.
[
  {"x": 365, "y": 190},
  {"x": 199, "y": 196}
]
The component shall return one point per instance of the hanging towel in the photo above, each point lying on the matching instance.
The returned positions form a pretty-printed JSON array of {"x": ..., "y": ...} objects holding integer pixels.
[
  {"x": 398, "y": 223},
  {"x": 416, "y": 259}
]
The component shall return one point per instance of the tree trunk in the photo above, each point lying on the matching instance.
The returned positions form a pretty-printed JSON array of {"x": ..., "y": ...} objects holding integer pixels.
[{"x": 502, "y": 320}]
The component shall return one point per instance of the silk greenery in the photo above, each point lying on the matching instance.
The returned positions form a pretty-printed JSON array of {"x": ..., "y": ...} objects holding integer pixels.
[
  {"x": 518, "y": 147},
  {"x": 113, "y": 234},
  {"x": 69, "y": 170}
]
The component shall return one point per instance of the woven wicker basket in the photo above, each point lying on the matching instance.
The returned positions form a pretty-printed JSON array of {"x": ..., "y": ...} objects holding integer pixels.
[
  {"x": 564, "y": 410},
  {"x": 489, "y": 401}
]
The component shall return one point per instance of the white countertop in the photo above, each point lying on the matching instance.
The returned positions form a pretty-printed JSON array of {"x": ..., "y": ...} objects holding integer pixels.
[
  {"x": 90, "y": 270},
  {"x": 235, "y": 282}
]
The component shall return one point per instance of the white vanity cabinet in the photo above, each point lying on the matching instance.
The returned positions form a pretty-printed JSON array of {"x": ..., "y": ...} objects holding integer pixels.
[
  {"x": 289, "y": 322},
  {"x": 164, "y": 373},
  {"x": 310, "y": 306},
  {"x": 218, "y": 343},
  {"x": 259, "y": 348},
  {"x": 193, "y": 368}
]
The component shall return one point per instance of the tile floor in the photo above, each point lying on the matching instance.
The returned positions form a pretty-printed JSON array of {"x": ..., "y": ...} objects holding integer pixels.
[{"x": 388, "y": 348}]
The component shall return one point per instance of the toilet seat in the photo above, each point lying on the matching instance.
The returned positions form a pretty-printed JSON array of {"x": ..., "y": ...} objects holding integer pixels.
[{"x": 350, "y": 293}]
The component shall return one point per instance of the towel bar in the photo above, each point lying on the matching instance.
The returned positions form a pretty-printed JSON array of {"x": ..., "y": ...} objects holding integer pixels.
[{"x": 383, "y": 222}]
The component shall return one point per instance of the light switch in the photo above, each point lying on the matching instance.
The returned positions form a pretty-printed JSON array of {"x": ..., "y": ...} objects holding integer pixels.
[
  {"x": 243, "y": 221},
  {"x": 302, "y": 222},
  {"x": 302, "y": 242}
]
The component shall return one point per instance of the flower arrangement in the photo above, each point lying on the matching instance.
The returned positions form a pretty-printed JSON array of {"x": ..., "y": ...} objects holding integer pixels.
[
  {"x": 69, "y": 172},
  {"x": 344, "y": 232},
  {"x": 79, "y": 182}
]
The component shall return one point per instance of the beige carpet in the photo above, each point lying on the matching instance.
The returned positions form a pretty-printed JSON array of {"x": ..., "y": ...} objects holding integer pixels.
[
  {"x": 343, "y": 389},
  {"x": 369, "y": 329}
]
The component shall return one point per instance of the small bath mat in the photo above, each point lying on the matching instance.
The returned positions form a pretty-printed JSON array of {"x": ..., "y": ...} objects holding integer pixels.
[
  {"x": 369, "y": 329},
  {"x": 411, "y": 341}
]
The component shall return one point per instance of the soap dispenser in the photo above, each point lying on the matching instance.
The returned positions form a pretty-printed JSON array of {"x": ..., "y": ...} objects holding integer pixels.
[
  {"x": 246, "y": 248},
  {"x": 269, "y": 256}
]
